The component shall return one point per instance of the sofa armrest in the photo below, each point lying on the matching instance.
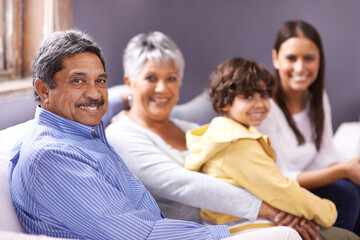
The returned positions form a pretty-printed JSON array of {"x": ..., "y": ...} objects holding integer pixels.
[
  {"x": 347, "y": 140},
  {"x": 8, "y": 138}
]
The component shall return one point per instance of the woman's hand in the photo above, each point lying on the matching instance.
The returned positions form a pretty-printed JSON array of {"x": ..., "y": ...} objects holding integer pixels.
[
  {"x": 304, "y": 227},
  {"x": 286, "y": 219},
  {"x": 352, "y": 170}
]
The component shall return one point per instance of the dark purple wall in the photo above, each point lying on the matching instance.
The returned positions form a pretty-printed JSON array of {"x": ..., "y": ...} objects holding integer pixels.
[{"x": 210, "y": 31}]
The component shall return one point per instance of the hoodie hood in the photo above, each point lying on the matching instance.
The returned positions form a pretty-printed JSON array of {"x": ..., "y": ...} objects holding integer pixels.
[{"x": 208, "y": 140}]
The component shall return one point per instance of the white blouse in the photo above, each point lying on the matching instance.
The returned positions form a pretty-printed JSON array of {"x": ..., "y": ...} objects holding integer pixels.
[{"x": 292, "y": 158}]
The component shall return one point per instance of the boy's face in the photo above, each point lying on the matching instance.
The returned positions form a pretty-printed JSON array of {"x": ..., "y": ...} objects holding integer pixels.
[{"x": 249, "y": 109}]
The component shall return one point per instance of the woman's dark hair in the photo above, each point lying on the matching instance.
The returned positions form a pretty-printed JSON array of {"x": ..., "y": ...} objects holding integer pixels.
[
  {"x": 237, "y": 76},
  {"x": 49, "y": 58},
  {"x": 300, "y": 28}
]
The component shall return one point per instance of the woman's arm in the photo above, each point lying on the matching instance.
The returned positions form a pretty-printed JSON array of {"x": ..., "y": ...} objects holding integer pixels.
[
  {"x": 318, "y": 178},
  {"x": 166, "y": 178}
]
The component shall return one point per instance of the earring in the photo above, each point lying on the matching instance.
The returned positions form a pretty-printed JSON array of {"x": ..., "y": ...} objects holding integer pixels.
[{"x": 129, "y": 103}]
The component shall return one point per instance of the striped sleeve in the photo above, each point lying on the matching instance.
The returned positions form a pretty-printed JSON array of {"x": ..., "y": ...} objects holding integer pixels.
[{"x": 177, "y": 229}]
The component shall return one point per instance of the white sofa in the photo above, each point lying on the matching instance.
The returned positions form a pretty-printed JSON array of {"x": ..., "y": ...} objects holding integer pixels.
[
  {"x": 8, "y": 219},
  {"x": 347, "y": 140}
]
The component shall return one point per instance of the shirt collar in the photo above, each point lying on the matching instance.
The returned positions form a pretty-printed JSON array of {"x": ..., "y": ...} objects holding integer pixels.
[{"x": 64, "y": 125}]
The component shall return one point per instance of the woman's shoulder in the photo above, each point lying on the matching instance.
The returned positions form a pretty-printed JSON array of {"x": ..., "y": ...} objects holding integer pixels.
[
  {"x": 184, "y": 125},
  {"x": 275, "y": 110},
  {"x": 122, "y": 125},
  {"x": 123, "y": 122},
  {"x": 120, "y": 121},
  {"x": 123, "y": 129}
]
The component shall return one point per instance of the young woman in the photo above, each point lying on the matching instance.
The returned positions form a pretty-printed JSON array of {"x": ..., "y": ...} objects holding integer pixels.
[{"x": 299, "y": 124}]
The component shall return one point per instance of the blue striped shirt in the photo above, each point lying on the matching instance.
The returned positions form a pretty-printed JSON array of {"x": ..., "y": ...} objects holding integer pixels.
[{"x": 66, "y": 181}]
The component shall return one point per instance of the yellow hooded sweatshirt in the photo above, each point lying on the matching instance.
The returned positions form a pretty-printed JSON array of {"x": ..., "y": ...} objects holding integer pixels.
[{"x": 243, "y": 157}]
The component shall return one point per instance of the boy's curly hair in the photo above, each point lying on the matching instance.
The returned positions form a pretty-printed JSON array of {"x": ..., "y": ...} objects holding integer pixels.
[{"x": 238, "y": 76}]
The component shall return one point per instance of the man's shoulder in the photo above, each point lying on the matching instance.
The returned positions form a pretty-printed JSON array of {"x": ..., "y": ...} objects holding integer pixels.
[
  {"x": 42, "y": 133},
  {"x": 36, "y": 145},
  {"x": 43, "y": 143},
  {"x": 40, "y": 139}
]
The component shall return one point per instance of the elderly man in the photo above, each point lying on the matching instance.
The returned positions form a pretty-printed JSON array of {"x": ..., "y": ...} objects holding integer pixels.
[{"x": 65, "y": 179}]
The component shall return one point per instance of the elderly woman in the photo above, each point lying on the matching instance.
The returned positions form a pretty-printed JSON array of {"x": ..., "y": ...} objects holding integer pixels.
[{"x": 153, "y": 145}]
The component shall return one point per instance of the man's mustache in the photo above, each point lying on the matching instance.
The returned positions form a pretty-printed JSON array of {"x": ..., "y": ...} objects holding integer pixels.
[{"x": 91, "y": 102}]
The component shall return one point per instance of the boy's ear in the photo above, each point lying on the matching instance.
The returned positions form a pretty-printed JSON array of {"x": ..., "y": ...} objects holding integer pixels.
[
  {"x": 42, "y": 89},
  {"x": 226, "y": 108},
  {"x": 275, "y": 59}
]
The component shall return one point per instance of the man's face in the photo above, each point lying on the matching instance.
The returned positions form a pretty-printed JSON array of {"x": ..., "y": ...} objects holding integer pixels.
[{"x": 81, "y": 93}]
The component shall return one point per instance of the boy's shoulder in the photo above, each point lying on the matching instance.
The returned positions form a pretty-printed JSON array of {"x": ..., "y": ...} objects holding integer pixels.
[{"x": 225, "y": 129}]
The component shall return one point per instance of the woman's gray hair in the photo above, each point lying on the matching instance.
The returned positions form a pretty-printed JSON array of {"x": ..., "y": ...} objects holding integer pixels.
[
  {"x": 59, "y": 45},
  {"x": 154, "y": 46}
]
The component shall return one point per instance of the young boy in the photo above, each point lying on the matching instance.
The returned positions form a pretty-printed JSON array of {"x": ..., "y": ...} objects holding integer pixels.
[{"x": 230, "y": 148}]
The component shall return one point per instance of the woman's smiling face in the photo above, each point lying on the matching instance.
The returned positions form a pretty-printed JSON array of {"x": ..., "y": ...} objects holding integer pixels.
[
  {"x": 155, "y": 90},
  {"x": 297, "y": 61}
]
